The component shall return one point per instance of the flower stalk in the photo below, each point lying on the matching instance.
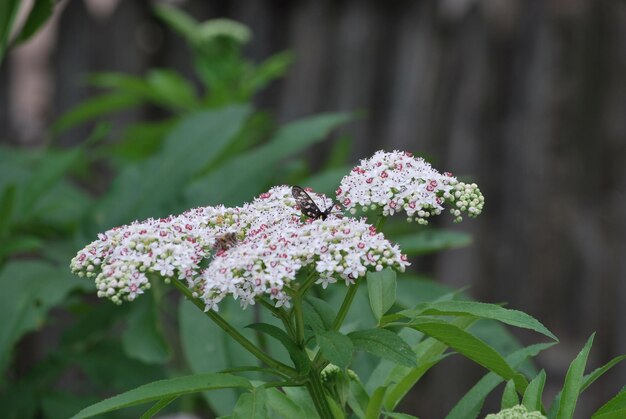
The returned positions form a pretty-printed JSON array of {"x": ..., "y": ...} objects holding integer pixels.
[{"x": 241, "y": 339}]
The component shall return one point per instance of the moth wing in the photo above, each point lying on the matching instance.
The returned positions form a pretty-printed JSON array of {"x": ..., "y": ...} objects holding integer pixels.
[{"x": 306, "y": 203}]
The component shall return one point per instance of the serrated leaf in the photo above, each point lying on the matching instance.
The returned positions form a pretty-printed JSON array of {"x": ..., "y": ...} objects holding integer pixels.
[
  {"x": 281, "y": 405},
  {"x": 385, "y": 344},
  {"x": 613, "y": 409},
  {"x": 587, "y": 381},
  {"x": 483, "y": 310},
  {"x": 534, "y": 392},
  {"x": 335, "y": 347},
  {"x": 509, "y": 396},
  {"x": 470, "y": 404},
  {"x": 163, "y": 389},
  {"x": 573, "y": 382},
  {"x": 299, "y": 358},
  {"x": 318, "y": 314},
  {"x": 251, "y": 405},
  {"x": 381, "y": 288},
  {"x": 598, "y": 372},
  {"x": 472, "y": 348}
]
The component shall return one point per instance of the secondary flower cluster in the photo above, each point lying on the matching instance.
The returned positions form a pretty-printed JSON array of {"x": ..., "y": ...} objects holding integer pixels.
[
  {"x": 272, "y": 244},
  {"x": 397, "y": 181}
]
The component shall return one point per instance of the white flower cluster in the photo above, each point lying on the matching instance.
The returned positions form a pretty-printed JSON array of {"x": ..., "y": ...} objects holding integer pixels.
[
  {"x": 268, "y": 258},
  {"x": 122, "y": 259},
  {"x": 516, "y": 412},
  {"x": 272, "y": 244},
  {"x": 396, "y": 181}
]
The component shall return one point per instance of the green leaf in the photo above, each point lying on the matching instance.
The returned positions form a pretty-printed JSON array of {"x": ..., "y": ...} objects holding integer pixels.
[
  {"x": 318, "y": 314},
  {"x": 401, "y": 379},
  {"x": 270, "y": 69},
  {"x": 157, "y": 407},
  {"x": 206, "y": 347},
  {"x": 46, "y": 175},
  {"x": 613, "y": 409},
  {"x": 8, "y": 11},
  {"x": 430, "y": 241},
  {"x": 193, "y": 144},
  {"x": 282, "y": 406},
  {"x": 573, "y": 382},
  {"x": 375, "y": 405},
  {"x": 587, "y": 381},
  {"x": 385, "y": 344},
  {"x": 472, "y": 348},
  {"x": 534, "y": 393},
  {"x": 381, "y": 288},
  {"x": 94, "y": 108},
  {"x": 302, "y": 398},
  {"x": 171, "y": 89},
  {"x": 140, "y": 140},
  {"x": 143, "y": 338},
  {"x": 335, "y": 347},
  {"x": 164, "y": 389},
  {"x": 176, "y": 19},
  {"x": 251, "y": 405},
  {"x": 26, "y": 244},
  {"x": 483, "y": 310},
  {"x": 39, "y": 14},
  {"x": 597, "y": 373},
  {"x": 469, "y": 405},
  {"x": 29, "y": 290},
  {"x": 239, "y": 179},
  {"x": 298, "y": 356},
  {"x": 7, "y": 206},
  {"x": 358, "y": 399},
  {"x": 400, "y": 416},
  {"x": 509, "y": 396}
]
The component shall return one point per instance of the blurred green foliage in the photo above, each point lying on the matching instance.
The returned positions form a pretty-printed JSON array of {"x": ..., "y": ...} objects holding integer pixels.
[
  {"x": 213, "y": 147},
  {"x": 12, "y": 33}
]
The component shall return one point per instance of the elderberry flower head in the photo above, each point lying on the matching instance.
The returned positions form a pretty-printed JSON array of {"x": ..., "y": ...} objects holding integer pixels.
[
  {"x": 396, "y": 181},
  {"x": 516, "y": 412},
  {"x": 269, "y": 243}
]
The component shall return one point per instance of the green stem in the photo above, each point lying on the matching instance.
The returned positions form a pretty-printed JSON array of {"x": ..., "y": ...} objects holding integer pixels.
[
  {"x": 345, "y": 306},
  {"x": 297, "y": 309},
  {"x": 280, "y": 313},
  {"x": 316, "y": 390},
  {"x": 241, "y": 339},
  {"x": 298, "y": 293}
]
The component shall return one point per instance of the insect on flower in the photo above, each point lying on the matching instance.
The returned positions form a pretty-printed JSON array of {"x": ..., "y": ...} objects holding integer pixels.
[
  {"x": 308, "y": 207},
  {"x": 225, "y": 241}
]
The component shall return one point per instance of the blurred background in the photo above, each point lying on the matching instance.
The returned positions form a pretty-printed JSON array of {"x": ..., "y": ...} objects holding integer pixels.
[{"x": 526, "y": 98}]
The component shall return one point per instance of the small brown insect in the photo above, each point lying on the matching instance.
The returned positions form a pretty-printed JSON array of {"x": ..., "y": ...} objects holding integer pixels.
[{"x": 225, "y": 241}]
